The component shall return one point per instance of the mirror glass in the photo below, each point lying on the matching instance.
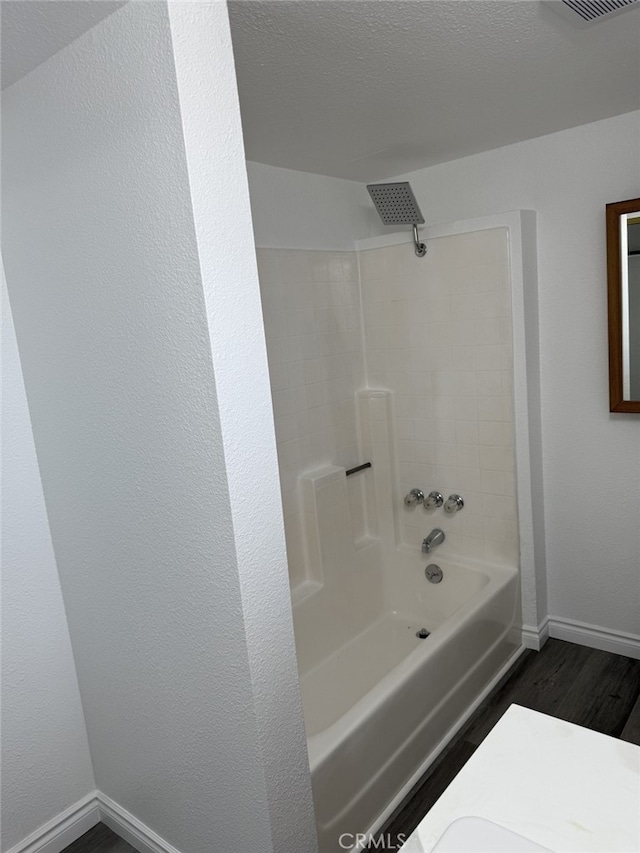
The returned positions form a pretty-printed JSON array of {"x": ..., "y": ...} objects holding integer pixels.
[
  {"x": 623, "y": 274},
  {"x": 630, "y": 284}
]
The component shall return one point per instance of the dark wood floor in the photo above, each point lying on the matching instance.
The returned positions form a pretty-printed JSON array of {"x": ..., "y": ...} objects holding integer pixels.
[
  {"x": 598, "y": 690},
  {"x": 100, "y": 839}
]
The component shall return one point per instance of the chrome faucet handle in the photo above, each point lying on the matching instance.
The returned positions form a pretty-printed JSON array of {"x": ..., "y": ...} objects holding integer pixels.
[
  {"x": 453, "y": 504},
  {"x": 415, "y": 496},
  {"x": 434, "y": 500}
]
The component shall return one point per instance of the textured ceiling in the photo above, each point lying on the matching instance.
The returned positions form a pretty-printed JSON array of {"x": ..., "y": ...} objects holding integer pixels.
[
  {"x": 366, "y": 89},
  {"x": 33, "y": 30}
]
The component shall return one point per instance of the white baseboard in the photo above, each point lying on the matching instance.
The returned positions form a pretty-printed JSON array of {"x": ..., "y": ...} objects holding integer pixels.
[
  {"x": 535, "y": 637},
  {"x": 70, "y": 824},
  {"x": 136, "y": 833},
  {"x": 618, "y": 642},
  {"x": 63, "y": 829}
]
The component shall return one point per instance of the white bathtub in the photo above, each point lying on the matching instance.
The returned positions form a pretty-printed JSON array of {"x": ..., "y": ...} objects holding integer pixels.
[{"x": 379, "y": 702}]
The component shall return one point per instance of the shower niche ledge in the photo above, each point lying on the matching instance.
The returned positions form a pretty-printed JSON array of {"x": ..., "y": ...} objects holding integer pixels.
[
  {"x": 303, "y": 590},
  {"x": 333, "y": 543}
]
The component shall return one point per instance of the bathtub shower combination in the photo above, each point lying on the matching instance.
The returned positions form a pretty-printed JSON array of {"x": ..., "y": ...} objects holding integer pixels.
[{"x": 404, "y": 575}]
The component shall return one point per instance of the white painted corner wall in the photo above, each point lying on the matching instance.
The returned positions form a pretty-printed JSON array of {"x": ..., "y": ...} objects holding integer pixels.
[
  {"x": 46, "y": 764},
  {"x": 298, "y": 210},
  {"x": 207, "y": 90},
  {"x": 151, "y": 426}
]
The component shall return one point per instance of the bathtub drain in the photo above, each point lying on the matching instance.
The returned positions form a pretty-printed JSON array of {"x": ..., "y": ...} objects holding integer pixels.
[
  {"x": 433, "y": 573},
  {"x": 422, "y": 634}
]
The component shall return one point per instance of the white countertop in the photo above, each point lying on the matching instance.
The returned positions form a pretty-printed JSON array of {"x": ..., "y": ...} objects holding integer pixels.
[{"x": 559, "y": 785}]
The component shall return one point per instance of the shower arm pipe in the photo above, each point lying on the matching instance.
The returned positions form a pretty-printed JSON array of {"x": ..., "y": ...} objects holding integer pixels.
[{"x": 421, "y": 248}]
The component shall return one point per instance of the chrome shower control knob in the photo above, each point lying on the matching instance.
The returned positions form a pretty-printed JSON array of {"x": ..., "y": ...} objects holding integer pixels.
[
  {"x": 453, "y": 504},
  {"x": 415, "y": 496},
  {"x": 433, "y": 500}
]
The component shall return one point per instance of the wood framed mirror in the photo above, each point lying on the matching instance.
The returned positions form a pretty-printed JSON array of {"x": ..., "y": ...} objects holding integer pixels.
[{"x": 623, "y": 283}]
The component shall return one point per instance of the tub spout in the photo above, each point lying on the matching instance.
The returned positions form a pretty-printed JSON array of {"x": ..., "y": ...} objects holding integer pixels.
[{"x": 435, "y": 538}]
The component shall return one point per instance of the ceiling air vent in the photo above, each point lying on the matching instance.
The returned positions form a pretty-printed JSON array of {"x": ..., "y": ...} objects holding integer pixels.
[{"x": 585, "y": 12}]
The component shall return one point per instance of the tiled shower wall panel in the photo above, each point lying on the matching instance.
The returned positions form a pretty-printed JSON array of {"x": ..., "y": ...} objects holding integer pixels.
[
  {"x": 312, "y": 317},
  {"x": 438, "y": 334}
]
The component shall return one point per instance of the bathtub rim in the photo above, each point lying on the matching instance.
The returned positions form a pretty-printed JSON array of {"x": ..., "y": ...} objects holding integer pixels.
[
  {"x": 440, "y": 746},
  {"x": 321, "y": 744}
]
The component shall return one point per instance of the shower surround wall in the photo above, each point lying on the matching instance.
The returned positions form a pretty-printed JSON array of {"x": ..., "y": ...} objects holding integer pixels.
[
  {"x": 379, "y": 356},
  {"x": 434, "y": 335},
  {"x": 312, "y": 317},
  {"x": 438, "y": 335}
]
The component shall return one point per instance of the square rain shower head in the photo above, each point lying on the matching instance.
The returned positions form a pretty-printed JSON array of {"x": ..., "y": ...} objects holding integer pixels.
[{"x": 396, "y": 203}]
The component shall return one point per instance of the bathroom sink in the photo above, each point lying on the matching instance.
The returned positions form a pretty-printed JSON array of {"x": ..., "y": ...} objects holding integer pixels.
[{"x": 476, "y": 835}]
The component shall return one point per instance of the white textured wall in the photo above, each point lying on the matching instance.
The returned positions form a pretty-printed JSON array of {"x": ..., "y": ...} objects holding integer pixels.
[
  {"x": 298, "y": 210},
  {"x": 211, "y": 121},
  {"x": 186, "y": 710},
  {"x": 591, "y": 458},
  {"x": 46, "y": 765}
]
